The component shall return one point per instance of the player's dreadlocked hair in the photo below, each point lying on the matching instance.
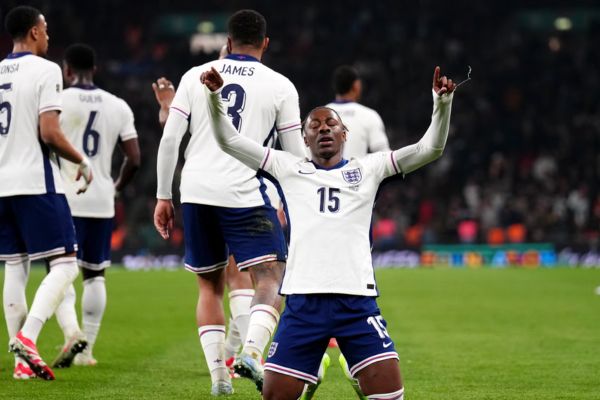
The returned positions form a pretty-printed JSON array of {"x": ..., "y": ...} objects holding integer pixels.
[
  {"x": 20, "y": 20},
  {"x": 247, "y": 27}
]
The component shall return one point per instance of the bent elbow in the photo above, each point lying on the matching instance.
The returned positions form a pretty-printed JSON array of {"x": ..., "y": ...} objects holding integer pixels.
[
  {"x": 47, "y": 136},
  {"x": 436, "y": 153}
]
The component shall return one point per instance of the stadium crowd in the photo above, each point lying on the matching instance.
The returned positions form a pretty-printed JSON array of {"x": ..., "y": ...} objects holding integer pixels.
[{"x": 521, "y": 162}]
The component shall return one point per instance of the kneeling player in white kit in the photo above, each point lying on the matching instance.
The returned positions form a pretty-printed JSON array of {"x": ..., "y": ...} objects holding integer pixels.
[
  {"x": 329, "y": 201},
  {"x": 95, "y": 121},
  {"x": 35, "y": 220}
]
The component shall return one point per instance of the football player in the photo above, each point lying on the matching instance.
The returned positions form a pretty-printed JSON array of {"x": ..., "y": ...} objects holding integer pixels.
[
  {"x": 366, "y": 132},
  {"x": 329, "y": 285},
  {"x": 35, "y": 220},
  {"x": 224, "y": 204},
  {"x": 96, "y": 122}
]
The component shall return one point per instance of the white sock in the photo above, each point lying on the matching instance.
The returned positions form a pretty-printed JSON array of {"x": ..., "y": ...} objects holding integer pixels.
[
  {"x": 13, "y": 294},
  {"x": 397, "y": 395},
  {"x": 263, "y": 320},
  {"x": 240, "y": 302},
  {"x": 49, "y": 294},
  {"x": 93, "y": 304},
  {"x": 212, "y": 339},
  {"x": 232, "y": 340},
  {"x": 66, "y": 316}
]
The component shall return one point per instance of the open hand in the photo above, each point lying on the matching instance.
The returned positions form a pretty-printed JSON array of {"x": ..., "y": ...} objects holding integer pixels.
[
  {"x": 442, "y": 85},
  {"x": 211, "y": 79},
  {"x": 164, "y": 91},
  {"x": 84, "y": 170},
  {"x": 164, "y": 217}
]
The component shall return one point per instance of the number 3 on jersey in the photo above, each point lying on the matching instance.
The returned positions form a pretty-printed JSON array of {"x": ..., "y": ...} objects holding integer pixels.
[
  {"x": 235, "y": 95},
  {"x": 91, "y": 138}
]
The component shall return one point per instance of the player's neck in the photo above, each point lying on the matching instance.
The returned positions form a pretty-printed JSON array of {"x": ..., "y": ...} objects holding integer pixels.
[
  {"x": 82, "y": 80},
  {"x": 327, "y": 163},
  {"x": 248, "y": 51},
  {"x": 24, "y": 46}
]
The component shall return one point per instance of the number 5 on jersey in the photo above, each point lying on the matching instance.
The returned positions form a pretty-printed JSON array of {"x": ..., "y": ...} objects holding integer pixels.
[{"x": 5, "y": 110}]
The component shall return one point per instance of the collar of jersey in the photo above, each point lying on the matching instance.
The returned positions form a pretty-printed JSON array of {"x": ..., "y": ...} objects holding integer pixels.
[
  {"x": 342, "y": 101},
  {"x": 241, "y": 57},
  {"x": 336, "y": 166},
  {"x": 19, "y": 54},
  {"x": 84, "y": 87}
]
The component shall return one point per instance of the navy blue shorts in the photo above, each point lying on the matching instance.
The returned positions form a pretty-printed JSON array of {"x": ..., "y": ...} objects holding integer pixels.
[
  {"x": 310, "y": 320},
  {"x": 93, "y": 239},
  {"x": 253, "y": 235},
  {"x": 39, "y": 226}
]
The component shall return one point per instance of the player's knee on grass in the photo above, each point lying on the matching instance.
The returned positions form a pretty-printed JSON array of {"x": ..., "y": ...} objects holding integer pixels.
[
  {"x": 281, "y": 387},
  {"x": 380, "y": 377},
  {"x": 91, "y": 273}
]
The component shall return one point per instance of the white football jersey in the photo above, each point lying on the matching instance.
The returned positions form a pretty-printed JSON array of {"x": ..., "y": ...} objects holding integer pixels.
[
  {"x": 329, "y": 220},
  {"x": 29, "y": 86},
  {"x": 366, "y": 132},
  {"x": 260, "y": 102},
  {"x": 94, "y": 121}
]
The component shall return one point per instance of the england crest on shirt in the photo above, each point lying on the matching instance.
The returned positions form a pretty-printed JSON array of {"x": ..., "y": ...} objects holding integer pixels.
[
  {"x": 272, "y": 349},
  {"x": 352, "y": 176}
]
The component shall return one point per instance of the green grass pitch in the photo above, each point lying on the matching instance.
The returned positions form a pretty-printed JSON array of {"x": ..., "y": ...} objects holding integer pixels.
[{"x": 461, "y": 334}]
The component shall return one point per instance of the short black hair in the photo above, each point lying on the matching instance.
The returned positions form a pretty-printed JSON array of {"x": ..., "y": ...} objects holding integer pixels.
[
  {"x": 20, "y": 20},
  {"x": 247, "y": 27},
  {"x": 80, "y": 57},
  {"x": 343, "y": 79}
]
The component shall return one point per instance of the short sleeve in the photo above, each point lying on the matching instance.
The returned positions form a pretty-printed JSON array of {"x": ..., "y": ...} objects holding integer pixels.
[
  {"x": 50, "y": 88},
  {"x": 128, "y": 122},
  {"x": 381, "y": 165},
  {"x": 181, "y": 102},
  {"x": 288, "y": 117}
]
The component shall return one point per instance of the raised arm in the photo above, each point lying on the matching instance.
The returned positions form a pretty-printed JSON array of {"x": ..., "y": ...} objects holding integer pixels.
[
  {"x": 228, "y": 138},
  {"x": 164, "y": 91},
  {"x": 431, "y": 145}
]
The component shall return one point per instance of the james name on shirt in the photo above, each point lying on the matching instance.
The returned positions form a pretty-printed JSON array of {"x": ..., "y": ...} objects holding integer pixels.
[{"x": 237, "y": 70}]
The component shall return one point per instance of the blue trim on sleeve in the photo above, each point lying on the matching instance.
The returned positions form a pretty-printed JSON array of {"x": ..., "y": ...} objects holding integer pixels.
[
  {"x": 241, "y": 57},
  {"x": 18, "y": 54},
  {"x": 336, "y": 166}
]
